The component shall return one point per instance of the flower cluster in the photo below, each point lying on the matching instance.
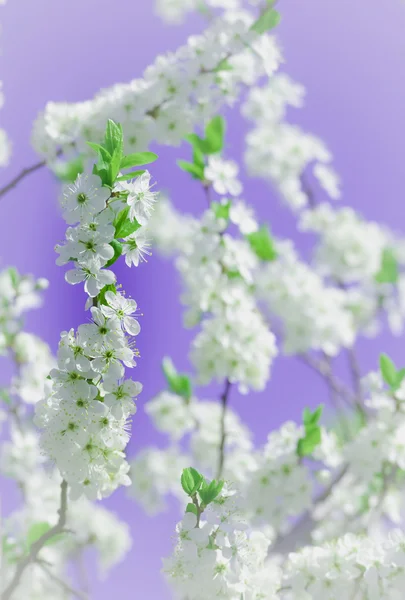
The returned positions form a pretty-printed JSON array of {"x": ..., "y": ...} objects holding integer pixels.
[
  {"x": 89, "y": 524},
  {"x": 218, "y": 270},
  {"x": 217, "y": 556},
  {"x": 350, "y": 248},
  {"x": 85, "y": 415},
  {"x": 281, "y": 152},
  {"x": 314, "y": 315},
  {"x": 177, "y": 91}
]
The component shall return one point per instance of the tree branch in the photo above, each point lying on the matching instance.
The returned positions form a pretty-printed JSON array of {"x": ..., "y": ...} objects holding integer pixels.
[
  {"x": 224, "y": 403},
  {"x": 63, "y": 584},
  {"x": 300, "y": 533},
  {"x": 39, "y": 544},
  {"x": 24, "y": 173}
]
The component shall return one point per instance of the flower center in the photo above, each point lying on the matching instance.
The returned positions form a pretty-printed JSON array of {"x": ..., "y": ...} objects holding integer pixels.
[{"x": 81, "y": 198}]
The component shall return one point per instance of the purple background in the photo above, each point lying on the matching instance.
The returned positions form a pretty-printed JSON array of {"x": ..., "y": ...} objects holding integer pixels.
[{"x": 349, "y": 55}]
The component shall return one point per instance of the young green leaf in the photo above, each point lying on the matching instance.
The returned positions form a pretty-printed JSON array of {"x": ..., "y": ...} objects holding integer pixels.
[
  {"x": 68, "y": 171},
  {"x": 107, "y": 288},
  {"x": 224, "y": 65},
  {"x": 105, "y": 155},
  {"x": 36, "y": 531},
  {"x": 123, "y": 226},
  {"x": 179, "y": 383},
  {"x": 191, "y": 508},
  {"x": 310, "y": 419},
  {"x": 388, "y": 370},
  {"x": 262, "y": 244},
  {"x": 208, "y": 492},
  {"x": 117, "y": 247},
  {"x": 215, "y": 134},
  {"x": 312, "y": 439},
  {"x": 197, "y": 143},
  {"x": 115, "y": 166},
  {"x": 137, "y": 159},
  {"x": 389, "y": 270},
  {"x": 221, "y": 211},
  {"x": 113, "y": 138},
  {"x": 197, "y": 171},
  {"x": 268, "y": 20},
  {"x": 191, "y": 481},
  {"x": 130, "y": 175}
]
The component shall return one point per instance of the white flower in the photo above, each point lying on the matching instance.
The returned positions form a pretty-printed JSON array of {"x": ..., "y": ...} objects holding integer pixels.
[
  {"x": 243, "y": 216},
  {"x": 120, "y": 396},
  {"x": 103, "y": 331},
  {"x": 223, "y": 176},
  {"x": 140, "y": 199},
  {"x": 94, "y": 278},
  {"x": 134, "y": 247},
  {"x": 84, "y": 198},
  {"x": 122, "y": 308},
  {"x": 171, "y": 414}
]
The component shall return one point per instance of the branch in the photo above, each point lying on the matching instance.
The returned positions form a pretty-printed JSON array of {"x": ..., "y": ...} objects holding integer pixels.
[
  {"x": 39, "y": 544},
  {"x": 24, "y": 173},
  {"x": 323, "y": 368},
  {"x": 300, "y": 532},
  {"x": 224, "y": 403},
  {"x": 63, "y": 584}
]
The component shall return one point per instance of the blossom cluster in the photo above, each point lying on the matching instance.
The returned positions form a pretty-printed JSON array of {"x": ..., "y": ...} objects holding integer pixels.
[
  {"x": 219, "y": 557},
  {"x": 280, "y": 152},
  {"x": 85, "y": 416},
  {"x": 176, "y": 93}
]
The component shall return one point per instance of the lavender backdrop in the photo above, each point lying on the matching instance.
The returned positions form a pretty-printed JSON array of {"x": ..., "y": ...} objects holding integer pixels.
[{"x": 350, "y": 55}]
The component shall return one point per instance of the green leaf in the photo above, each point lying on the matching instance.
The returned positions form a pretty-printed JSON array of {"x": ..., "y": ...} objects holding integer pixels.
[
  {"x": 102, "y": 173},
  {"x": 262, "y": 244},
  {"x": 36, "y": 531},
  {"x": 388, "y": 370},
  {"x": 198, "y": 158},
  {"x": 197, "y": 171},
  {"x": 115, "y": 165},
  {"x": 113, "y": 138},
  {"x": 208, "y": 492},
  {"x": 215, "y": 134},
  {"x": 130, "y": 175},
  {"x": 389, "y": 271},
  {"x": 179, "y": 383},
  {"x": 139, "y": 158},
  {"x": 107, "y": 288},
  {"x": 191, "y": 508},
  {"x": 268, "y": 20},
  {"x": 117, "y": 246},
  {"x": 68, "y": 171},
  {"x": 14, "y": 276},
  {"x": 221, "y": 210},
  {"x": 197, "y": 143},
  {"x": 310, "y": 419},
  {"x": 5, "y": 397},
  {"x": 191, "y": 481},
  {"x": 123, "y": 225},
  {"x": 224, "y": 65},
  {"x": 105, "y": 155},
  {"x": 312, "y": 439}
]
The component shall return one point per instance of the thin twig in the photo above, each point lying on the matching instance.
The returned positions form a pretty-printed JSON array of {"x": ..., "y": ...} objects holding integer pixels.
[
  {"x": 300, "y": 532},
  {"x": 63, "y": 584},
  {"x": 224, "y": 404},
  {"x": 24, "y": 173},
  {"x": 39, "y": 544},
  {"x": 324, "y": 369}
]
